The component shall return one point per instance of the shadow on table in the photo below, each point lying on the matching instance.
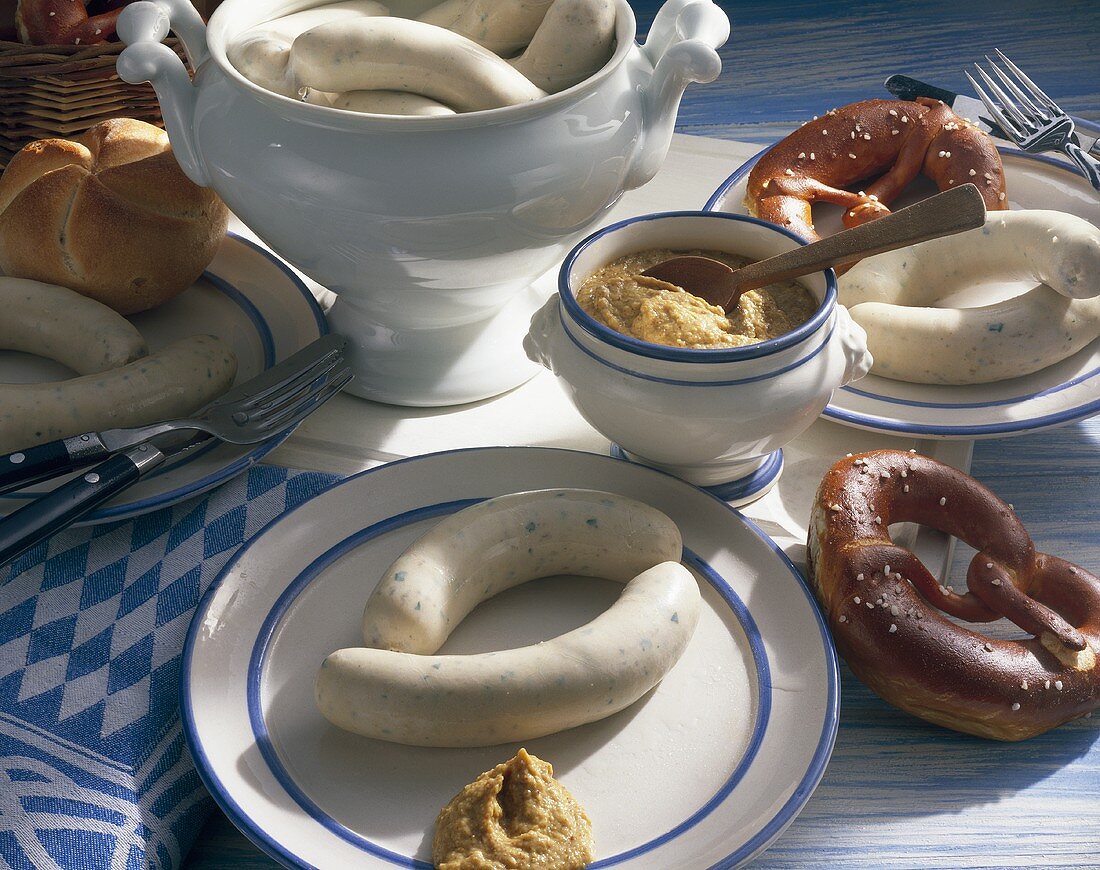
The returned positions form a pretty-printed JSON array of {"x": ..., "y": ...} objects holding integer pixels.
[{"x": 907, "y": 767}]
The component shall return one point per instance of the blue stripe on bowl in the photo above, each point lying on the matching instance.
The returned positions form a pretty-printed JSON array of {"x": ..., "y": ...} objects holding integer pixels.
[
  {"x": 885, "y": 424},
  {"x": 690, "y": 355},
  {"x": 779, "y": 822},
  {"x": 252, "y": 456},
  {"x": 824, "y": 343},
  {"x": 732, "y": 490}
]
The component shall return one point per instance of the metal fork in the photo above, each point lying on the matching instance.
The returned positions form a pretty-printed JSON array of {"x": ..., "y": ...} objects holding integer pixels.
[
  {"x": 1030, "y": 117},
  {"x": 255, "y": 411},
  {"x": 274, "y": 400}
]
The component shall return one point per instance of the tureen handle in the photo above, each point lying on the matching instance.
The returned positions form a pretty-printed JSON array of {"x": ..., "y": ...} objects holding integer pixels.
[
  {"x": 681, "y": 48},
  {"x": 143, "y": 26}
]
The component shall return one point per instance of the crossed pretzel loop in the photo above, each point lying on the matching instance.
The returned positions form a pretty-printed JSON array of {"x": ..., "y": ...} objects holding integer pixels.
[
  {"x": 889, "y": 141},
  {"x": 887, "y": 610}
]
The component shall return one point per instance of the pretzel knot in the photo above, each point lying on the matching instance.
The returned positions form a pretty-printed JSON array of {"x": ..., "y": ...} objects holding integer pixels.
[
  {"x": 887, "y": 612},
  {"x": 882, "y": 144}
]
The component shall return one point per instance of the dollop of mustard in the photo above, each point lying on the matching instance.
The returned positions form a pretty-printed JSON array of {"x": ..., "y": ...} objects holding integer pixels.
[{"x": 513, "y": 817}]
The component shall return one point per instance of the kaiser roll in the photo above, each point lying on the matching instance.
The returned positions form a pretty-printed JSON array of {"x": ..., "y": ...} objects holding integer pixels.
[{"x": 109, "y": 214}]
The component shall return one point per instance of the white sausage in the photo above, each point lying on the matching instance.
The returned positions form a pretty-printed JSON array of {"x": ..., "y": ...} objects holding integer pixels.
[
  {"x": 977, "y": 345},
  {"x": 573, "y": 42},
  {"x": 503, "y": 542},
  {"x": 60, "y": 324},
  {"x": 1047, "y": 247},
  {"x": 380, "y": 103},
  {"x": 891, "y": 296},
  {"x": 401, "y": 55},
  {"x": 263, "y": 59},
  {"x": 504, "y": 27},
  {"x": 261, "y": 54},
  {"x": 169, "y": 383},
  {"x": 481, "y": 700}
]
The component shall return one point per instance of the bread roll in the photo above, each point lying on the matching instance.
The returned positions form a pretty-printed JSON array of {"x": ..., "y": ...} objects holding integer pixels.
[{"x": 109, "y": 214}]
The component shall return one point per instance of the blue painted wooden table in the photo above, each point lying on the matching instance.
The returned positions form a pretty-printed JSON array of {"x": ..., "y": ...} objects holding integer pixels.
[{"x": 899, "y": 792}]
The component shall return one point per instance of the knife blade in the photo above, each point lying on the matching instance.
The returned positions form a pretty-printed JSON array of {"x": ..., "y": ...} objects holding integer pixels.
[
  {"x": 906, "y": 88},
  {"x": 45, "y": 516}
]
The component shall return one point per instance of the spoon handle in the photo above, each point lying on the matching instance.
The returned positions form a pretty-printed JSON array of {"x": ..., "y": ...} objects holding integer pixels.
[{"x": 953, "y": 211}]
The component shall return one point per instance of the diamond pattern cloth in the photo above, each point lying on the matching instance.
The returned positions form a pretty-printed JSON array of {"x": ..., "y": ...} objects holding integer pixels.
[{"x": 94, "y": 769}]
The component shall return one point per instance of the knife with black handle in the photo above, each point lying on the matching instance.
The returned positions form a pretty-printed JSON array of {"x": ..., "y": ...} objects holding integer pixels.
[
  {"x": 36, "y": 521},
  {"x": 971, "y": 108}
]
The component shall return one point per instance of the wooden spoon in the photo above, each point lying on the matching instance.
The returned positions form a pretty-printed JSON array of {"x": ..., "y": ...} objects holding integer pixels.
[{"x": 953, "y": 211}]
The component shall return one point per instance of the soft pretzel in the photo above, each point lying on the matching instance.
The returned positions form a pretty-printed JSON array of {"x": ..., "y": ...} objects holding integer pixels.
[
  {"x": 884, "y": 607},
  {"x": 62, "y": 22},
  {"x": 889, "y": 141}
]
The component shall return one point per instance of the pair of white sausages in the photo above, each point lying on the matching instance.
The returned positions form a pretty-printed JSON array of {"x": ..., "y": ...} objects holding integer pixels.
[
  {"x": 262, "y": 53},
  {"x": 397, "y": 54},
  {"x": 893, "y": 297},
  {"x": 119, "y": 385},
  {"x": 352, "y": 55},
  {"x": 563, "y": 42},
  {"x": 397, "y": 689}
]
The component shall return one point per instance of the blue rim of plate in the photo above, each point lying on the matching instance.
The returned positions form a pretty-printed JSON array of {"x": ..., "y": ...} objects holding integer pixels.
[
  {"x": 885, "y": 424},
  {"x": 757, "y": 843},
  {"x": 275, "y": 616},
  {"x": 252, "y": 456}
]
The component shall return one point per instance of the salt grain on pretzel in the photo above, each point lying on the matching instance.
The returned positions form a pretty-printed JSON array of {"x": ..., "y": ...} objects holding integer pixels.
[{"x": 928, "y": 665}]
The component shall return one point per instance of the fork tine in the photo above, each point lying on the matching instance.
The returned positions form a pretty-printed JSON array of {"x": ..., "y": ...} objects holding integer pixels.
[
  {"x": 293, "y": 397},
  {"x": 295, "y": 385},
  {"x": 1039, "y": 114},
  {"x": 325, "y": 361},
  {"x": 1029, "y": 84},
  {"x": 297, "y": 412},
  {"x": 1005, "y": 123},
  {"x": 1005, "y": 101}
]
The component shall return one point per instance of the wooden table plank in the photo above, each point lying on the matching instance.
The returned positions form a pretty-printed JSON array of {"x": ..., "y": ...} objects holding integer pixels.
[{"x": 789, "y": 60}]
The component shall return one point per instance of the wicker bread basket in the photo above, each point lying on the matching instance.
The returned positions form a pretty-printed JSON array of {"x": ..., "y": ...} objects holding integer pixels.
[{"x": 62, "y": 90}]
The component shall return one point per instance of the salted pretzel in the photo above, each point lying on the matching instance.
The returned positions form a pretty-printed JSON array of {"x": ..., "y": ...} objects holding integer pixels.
[
  {"x": 62, "y": 22},
  {"x": 889, "y": 141},
  {"x": 887, "y": 612}
]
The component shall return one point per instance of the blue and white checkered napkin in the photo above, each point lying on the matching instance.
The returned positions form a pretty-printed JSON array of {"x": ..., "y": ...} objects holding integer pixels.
[{"x": 94, "y": 771}]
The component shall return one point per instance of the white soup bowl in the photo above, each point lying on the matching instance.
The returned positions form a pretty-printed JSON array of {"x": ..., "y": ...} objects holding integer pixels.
[{"x": 717, "y": 418}]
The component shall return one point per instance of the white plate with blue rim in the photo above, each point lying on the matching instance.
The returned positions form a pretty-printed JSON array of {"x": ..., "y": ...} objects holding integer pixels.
[
  {"x": 706, "y": 770},
  {"x": 249, "y": 299},
  {"x": 1058, "y": 394}
]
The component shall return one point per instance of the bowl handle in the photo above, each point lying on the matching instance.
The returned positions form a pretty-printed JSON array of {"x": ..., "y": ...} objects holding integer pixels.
[
  {"x": 143, "y": 26},
  {"x": 853, "y": 339},
  {"x": 539, "y": 339},
  {"x": 681, "y": 50}
]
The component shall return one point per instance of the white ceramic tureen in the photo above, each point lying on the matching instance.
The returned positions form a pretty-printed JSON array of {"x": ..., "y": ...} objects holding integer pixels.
[{"x": 431, "y": 230}]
